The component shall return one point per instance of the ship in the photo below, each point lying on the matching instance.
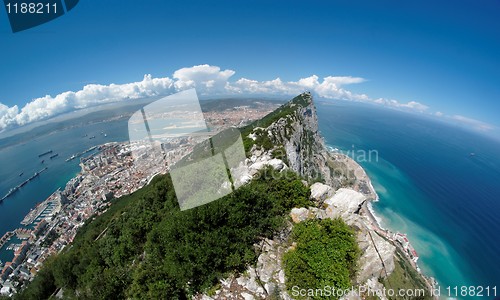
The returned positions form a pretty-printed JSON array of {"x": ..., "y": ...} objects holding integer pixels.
[
  {"x": 89, "y": 149},
  {"x": 54, "y": 156},
  {"x": 16, "y": 188},
  {"x": 81, "y": 153},
  {"x": 11, "y": 191},
  {"x": 45, "y": 153},
  {"x": 72, "y": 157},
  {"x": 37, "y": 174},
  {"x": 21, "y": 174},
  {"x": 43, "y": 160}
]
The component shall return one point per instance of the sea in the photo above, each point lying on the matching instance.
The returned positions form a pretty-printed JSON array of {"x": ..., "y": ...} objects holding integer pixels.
[
  {"x": 19, "y": 160},
  {"x": 438, "y": 183}
]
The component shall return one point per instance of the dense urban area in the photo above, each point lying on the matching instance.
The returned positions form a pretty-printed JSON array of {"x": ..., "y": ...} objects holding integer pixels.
[{"x": 114, "y": 170}]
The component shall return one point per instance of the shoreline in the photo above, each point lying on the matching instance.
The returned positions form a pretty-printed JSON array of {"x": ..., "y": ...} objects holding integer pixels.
[{"x": 367, "y": 210}]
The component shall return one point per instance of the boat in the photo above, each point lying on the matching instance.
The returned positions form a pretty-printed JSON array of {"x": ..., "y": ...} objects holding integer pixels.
[
  {"x": 72, "y": 157},
  {"x": 89, "y": 149},
  {"x": 45, "y": 153},
  {"x": 37, "y": 174},
  {"x": 21, "y": 174},
  {"x": 54, "y": 156},
  {"x": 43, "y": 160},
  {"x": 16, "y": 188},
  {"x": 11, "y": 191}
]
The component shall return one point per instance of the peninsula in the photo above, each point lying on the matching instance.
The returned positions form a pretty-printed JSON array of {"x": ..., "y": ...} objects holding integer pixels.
[{"x": 116, "y": 229}]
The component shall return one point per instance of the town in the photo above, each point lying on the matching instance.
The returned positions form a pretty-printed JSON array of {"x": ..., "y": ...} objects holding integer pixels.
[{"x": 115, "y": 170}]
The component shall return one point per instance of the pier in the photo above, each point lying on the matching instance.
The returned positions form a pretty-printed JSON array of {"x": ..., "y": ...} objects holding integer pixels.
[
  {"x": 5, "y": 238},
  {"x": 16, "y": 188},
  {"x": 81, "y": 153},
  {"x": 44, "y": 209}
]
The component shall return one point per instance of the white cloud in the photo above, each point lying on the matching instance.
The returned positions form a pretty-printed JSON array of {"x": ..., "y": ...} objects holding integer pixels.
[
  {"x": 204, "y": 77},
  {"x": 438, "y": 114},
  {"x": 208, "y": 80},
  {"x": 415, "y": 105},
  {"x": 330, "y": 87},
  {"x": 91, "y": 95},
  {"x": 479, "y": 125},
  {"x": 7, "y": 115},
  {"x": 412, "y": 105}
]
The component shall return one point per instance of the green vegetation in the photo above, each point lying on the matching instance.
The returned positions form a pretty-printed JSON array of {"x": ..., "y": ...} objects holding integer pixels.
[
  {"x": 51, "y": 237},
  {"x": 286, "y": 111},
  {"x": 404, "y": 277},
  {"x": 325, "y": 255},
  {"x": 144, "y": 247},
  {"x": 280, "y": 153}
]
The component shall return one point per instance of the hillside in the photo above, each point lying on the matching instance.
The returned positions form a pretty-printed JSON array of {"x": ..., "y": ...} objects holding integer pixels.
[{"x": 296, "y": 219}]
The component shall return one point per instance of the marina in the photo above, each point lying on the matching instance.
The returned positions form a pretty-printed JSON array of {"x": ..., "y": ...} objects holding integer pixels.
[
  {"x": 5, "y": 238},
  {"x": 43, "y": 210}
]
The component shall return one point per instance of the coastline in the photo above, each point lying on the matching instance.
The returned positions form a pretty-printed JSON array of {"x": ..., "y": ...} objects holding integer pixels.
[
  {"x": 363, "y": 185},
  {"x": 366, "y": 210}
]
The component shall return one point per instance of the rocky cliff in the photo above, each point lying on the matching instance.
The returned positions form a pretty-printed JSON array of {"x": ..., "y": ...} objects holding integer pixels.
[
  {"x": 291, "y": 133},
  {"x": 289, "y": 139}
]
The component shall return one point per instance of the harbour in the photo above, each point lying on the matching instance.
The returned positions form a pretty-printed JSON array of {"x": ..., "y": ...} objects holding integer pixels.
[
  {"x": 76, "y": 155},
  {"x": 16, "y": 188},
  {"x": 43, "y": 210},
  {"x": 23, "y": 158},
  {"x": 5, "y": 238}
]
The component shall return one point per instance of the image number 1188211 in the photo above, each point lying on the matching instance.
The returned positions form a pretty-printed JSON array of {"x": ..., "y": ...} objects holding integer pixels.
[{"x": 26, "y": 14}]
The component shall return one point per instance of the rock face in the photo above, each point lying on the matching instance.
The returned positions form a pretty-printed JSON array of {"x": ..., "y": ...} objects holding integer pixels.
[
  {"x": 251, "y": 167},
  {"x": 320, "y": 191},
  {"x": 265, "y": 280},
  {"x": 298, "y": 133},
  {"x": 344, "y": 204}
]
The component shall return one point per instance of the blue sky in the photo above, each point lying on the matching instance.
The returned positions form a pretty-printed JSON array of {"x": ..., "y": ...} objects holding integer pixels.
[{"x": 444, "y": 56}]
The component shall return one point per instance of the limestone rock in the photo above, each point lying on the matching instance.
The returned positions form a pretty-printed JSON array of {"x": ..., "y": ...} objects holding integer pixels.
[
  {"x": 299, "y": 214},
  {"x": 320, "y": 191},
  {"x": 346, "y": 201},
  {"x": 247, "y": 296},
  {"x": 374, "y": 248}
]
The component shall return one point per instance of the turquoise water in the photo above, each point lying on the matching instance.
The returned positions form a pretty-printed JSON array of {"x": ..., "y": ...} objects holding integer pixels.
[{"x": 430, "y": 187}]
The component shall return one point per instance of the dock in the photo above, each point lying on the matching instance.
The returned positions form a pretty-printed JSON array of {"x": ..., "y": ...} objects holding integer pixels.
[
  {"x": 17, "y": 187},
  {"x": 5, "y": 238},
  {"x": 44, "y": 209}
]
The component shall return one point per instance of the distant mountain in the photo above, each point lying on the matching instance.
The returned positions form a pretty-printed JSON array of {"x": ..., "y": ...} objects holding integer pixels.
[{"x": 109, "y": 112}]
